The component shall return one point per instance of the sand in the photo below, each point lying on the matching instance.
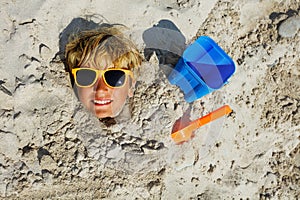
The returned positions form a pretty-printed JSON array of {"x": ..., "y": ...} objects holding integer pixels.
[{"x": 52, "y": 148}]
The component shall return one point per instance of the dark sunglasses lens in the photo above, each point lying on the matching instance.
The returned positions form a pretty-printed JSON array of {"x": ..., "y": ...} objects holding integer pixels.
[
  {"x": 85, "y": 77},
  {"x": 115, "y": 78}
]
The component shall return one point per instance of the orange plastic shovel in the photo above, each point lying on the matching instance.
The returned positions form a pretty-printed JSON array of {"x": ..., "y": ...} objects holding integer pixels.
[{"x": 186, "y": 133}]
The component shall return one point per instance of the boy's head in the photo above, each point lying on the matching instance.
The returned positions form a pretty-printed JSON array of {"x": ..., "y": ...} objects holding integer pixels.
[{"x": 102, "y": 63}]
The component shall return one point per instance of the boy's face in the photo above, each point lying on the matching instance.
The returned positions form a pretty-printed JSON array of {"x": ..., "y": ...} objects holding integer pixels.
[{"x": 102, "y": 100}]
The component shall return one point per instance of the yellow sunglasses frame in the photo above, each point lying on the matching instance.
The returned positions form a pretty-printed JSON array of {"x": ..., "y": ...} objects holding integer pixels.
[{"x": 98, "y": 72}]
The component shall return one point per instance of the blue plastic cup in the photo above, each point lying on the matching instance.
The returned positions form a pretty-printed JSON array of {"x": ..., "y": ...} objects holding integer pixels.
[{"x": 203, "y": 68}]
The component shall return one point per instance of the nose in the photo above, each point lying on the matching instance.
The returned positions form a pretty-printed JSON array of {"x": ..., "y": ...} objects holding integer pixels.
[{"x": 100, "y": 85}]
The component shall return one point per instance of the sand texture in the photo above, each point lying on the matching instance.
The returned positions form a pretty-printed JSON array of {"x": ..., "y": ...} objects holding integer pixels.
[{"x": 52, "y": 148}]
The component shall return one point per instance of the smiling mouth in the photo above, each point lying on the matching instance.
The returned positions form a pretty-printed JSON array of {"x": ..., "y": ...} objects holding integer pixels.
[{"x": 101, "y": 102}]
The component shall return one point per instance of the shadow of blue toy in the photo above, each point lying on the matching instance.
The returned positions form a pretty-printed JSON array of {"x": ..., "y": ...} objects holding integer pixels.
[{"x": 203, "y": 68}]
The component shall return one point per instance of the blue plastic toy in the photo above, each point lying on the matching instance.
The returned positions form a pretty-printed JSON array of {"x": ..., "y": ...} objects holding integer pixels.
[{"x": 203, "y": 68}]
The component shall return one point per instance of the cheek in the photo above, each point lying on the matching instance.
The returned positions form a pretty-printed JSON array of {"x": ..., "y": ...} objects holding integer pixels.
[
  {"x": 121, "y": 93},
  {"x": 83, "y": 93}
]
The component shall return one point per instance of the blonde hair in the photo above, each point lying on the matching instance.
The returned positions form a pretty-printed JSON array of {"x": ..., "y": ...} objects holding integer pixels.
[{"x": 105, "y": 42}]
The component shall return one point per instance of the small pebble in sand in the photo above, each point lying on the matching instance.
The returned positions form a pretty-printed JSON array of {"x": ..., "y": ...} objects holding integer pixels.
[{"x": 289, "y": 27}]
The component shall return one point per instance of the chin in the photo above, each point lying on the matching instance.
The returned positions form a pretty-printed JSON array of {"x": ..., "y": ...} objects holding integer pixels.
[
  {"x": 101, "y": 116},
  {"x": 106, "y": 115},
  {"x": 112, "y": 115}
]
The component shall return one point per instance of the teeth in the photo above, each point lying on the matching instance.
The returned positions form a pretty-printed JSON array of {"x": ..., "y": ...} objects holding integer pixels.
[{"x": 102, "y": 102}]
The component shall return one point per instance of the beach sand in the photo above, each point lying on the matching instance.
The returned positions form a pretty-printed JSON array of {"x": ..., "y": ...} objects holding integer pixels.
[{"x": 52, "y": 148}]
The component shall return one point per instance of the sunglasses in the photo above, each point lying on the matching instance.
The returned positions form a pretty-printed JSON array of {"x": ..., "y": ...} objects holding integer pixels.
[{"x": 114, "y": 78}]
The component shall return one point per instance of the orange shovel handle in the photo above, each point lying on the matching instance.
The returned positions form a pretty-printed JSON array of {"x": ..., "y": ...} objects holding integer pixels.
[
  {"x": 187, "y": 132},
  {"x": 224, "y": 110}
]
